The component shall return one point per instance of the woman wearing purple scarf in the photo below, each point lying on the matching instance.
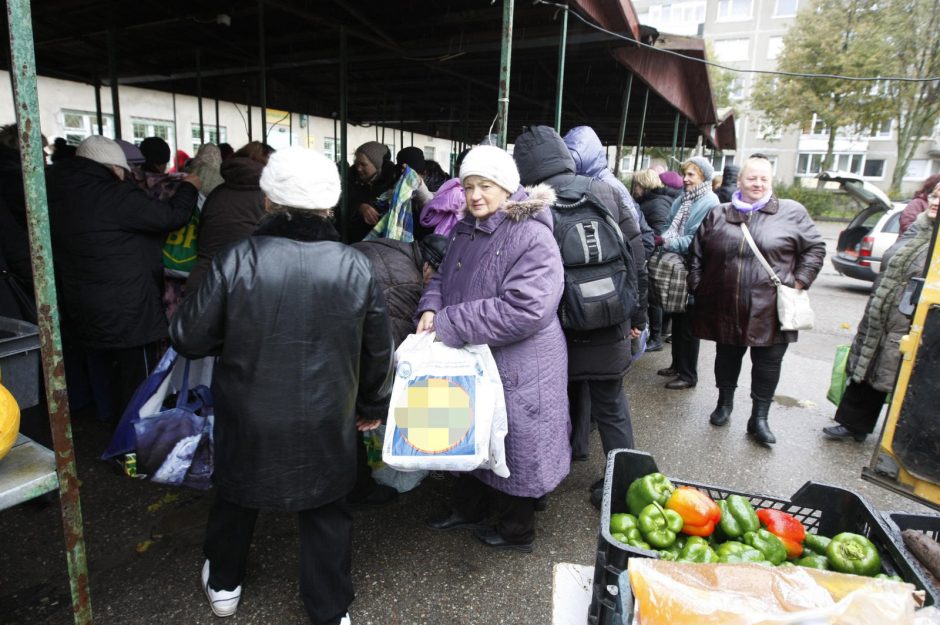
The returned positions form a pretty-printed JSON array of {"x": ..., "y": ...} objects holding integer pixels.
[{"x": 736, "y": 301}]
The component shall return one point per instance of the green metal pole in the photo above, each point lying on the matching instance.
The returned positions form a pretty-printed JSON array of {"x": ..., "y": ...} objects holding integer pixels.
[
  {"x": 343, "y": 150},
  {"x": 561, "y": 69},
  {"x": 262, "y": 72},
  {"x": 685, "y": 130},
  {"x": 218, "y": 127},
  {"x": 675, "y": 134},
  {"x": 623, "y": 124},
  {"x": 26, "y": 101},
  {"x": 639, "y": 140},
  {"x": 505, "y": 64},
  {"x": 99, "y": 116},
  {"x": 112, "y": 68}
]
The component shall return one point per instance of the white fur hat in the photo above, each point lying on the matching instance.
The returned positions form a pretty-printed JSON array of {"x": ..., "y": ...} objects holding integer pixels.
[
  {"x": 492, "y": 163},
  {"x": 102, "y": 150},
  {"x": 300, "y": 178}
]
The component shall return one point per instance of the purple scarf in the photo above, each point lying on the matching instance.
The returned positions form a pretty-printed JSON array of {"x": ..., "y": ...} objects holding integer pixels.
[{"x": 744, "y": 207}]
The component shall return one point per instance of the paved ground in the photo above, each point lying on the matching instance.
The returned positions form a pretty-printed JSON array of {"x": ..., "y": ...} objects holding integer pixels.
[{"x": 143, "y": 540}]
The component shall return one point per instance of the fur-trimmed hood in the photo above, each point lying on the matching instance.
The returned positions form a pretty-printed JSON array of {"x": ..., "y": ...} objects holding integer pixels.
[{"x": 529, "y": 203}]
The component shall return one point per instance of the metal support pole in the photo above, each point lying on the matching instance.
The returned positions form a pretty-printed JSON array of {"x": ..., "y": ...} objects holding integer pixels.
[
  {"x": 623, "y": 124},
  {"x": 639, "y": 140},
  {"x": 262, "y": 73},
  {"x": 561, "y": 69},
  {"x": 290, "y": 128},
  {"x": 218, "y": 127},
  {"x": 248, "y": 114},
  {"x": 343, "y": 150},
  {"x": 401, "y": 130},
  {"x": 505, "y": 64},
  {"x": 112, "y": 71},
  {"x": 685, "y": 129},
  {"x": 412, "y": 138},
  {"x": 176, "y": 133},
  {"x": 675, "y": 135},
  {"x": 99, "y": 116},
  {"x": 26, "y": 103},
  {"x": 202, "y": 128}
]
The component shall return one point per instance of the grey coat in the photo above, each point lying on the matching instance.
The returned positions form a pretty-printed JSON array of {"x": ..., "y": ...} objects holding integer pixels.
[
  {"x": 500, "y": 285},
  {"x": 875, "y": 354}
]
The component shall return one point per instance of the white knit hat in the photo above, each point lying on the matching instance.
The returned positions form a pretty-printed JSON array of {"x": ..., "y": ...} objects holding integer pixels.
[
  {"x": 300, "y": 178},
  {"x": 102, "y": 150},
  {"x": 492, "y": 163}
]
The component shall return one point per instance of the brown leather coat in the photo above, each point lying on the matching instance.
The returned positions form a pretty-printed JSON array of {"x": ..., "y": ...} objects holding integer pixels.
[{"x": 735, "y": 299}]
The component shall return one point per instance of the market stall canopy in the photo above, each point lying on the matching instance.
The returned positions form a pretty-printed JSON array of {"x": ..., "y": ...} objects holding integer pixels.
[{"x": 425, "y": 67}]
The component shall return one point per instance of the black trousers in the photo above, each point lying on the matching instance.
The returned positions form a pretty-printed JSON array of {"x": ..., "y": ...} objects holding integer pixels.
[
  {"x": 655, "y": 316},
  {"x": 515, "y": 516},
  {"x": 325, "y": 555},
  {"x": 108, "y": 376},
  {"x": 605, "y": 403},
  {"x": 684, "y": 346},
  {"x": 860, "y": 407},
  {"x": 765, "y": 368}
]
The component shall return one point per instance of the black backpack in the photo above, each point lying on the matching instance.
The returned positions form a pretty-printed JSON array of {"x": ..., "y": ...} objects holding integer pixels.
[{"x": 600, "y": 272}]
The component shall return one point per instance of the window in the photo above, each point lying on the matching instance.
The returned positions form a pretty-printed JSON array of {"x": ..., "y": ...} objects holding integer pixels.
[
  {"x": 815, "y": 127},
  {"x": 732, "y": 10},
  {"x": 786, "y": 8},
  {"x": 767, "y": 132},
  {"x": 774, "y": 47},
  {"x": 918, "y": 170},
  {"x": 732, "y": 49},
  {"x": 848, "y": 162},
  {"x": 737, "y": 90},
  {"x": 874, "y": 168},
  {"x": 809, "y": 164},
  {"x": 210, "y": 135},
  {"x": 331, "y": 148},
  {"x": 429, "y": 152},
  {"x": 681, "y": 18},
  {"x": 80, "y": 124},
  {"x": 882, "y": 130},
  {"x": 144, "y": 128}
]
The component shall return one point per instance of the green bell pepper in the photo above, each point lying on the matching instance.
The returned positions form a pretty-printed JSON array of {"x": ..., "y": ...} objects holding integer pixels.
[
  {"x": 734, "y": 551},
  {"x": 893, "y": 578},
  {"x": 654, "y": 487},
  {"x": 622, "y": 522},
  {"x": 631, "y": 537},
  {"x": 659, "y": 526},
  {"x": 816, "y": 543},
  {"x": 737, "y": 517},
  {"x": 697, "y": 550},
  {"x": 814, "y": 561},
  {"x": 853, "y": 553},
  {"x": 768, "y": 544}
]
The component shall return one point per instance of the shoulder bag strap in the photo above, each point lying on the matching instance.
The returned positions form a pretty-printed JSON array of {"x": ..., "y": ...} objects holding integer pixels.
[{"x": 760, "y": 257}]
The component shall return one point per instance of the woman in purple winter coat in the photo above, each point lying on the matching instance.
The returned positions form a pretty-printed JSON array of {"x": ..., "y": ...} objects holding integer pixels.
[{"x": 500, "y": 285}]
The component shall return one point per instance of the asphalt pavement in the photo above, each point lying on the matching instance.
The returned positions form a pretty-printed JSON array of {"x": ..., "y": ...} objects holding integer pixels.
[{"x": 144, "y": 540}]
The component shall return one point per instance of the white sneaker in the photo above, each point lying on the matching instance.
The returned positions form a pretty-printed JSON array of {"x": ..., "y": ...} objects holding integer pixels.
[
  {"x": 222, "y": 602},
  {"x": 345, "y": 620}
]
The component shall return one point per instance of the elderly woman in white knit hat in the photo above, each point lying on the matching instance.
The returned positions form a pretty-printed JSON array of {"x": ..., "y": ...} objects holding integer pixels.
[
  {"x": 304, "y": 351},
  {"x": 500, "y": 284},
  {"x": 685, "y": 216}
]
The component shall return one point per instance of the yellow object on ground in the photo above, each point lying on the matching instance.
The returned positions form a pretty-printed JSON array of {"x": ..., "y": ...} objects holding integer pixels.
[{"x": 9, "y": 421}]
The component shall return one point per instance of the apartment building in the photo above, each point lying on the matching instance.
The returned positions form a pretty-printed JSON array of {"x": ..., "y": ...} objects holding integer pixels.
[
  {"x": 748, "y": 35},
  {"x": 67, "y": 110}
]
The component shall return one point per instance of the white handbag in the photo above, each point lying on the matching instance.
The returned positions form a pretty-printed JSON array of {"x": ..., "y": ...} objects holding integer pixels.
[{"x": 793, "y": 306}]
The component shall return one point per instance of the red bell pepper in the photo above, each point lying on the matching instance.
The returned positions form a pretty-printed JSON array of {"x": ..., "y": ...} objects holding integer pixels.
[
  {"x": 698, "y": 511},
  {"x": 786, "y": 527}
]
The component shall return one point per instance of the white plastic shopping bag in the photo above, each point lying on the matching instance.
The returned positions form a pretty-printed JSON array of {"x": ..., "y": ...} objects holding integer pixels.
[{"x": 447, "y": 411}]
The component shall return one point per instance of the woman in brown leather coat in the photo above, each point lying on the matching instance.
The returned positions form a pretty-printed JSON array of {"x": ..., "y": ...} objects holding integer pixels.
[{"x": 735, "y": 297}]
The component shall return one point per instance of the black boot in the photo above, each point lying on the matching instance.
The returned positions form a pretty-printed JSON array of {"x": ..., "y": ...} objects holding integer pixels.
[
  {"x": 722, "y": 412},
  {"x": 757, "y": 424}
]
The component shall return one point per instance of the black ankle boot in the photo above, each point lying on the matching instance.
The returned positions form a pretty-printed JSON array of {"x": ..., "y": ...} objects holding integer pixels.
[
  {"x": 722, "y": 412},
  {"x": 757, "y": 424}
]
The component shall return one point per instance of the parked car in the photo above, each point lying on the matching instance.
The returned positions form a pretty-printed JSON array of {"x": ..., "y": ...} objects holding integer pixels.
[{"x": 872, "y": 231}]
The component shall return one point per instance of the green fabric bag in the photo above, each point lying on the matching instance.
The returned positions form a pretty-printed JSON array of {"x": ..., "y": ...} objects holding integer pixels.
[
  {"x": 180, "y": 250},
  {"x": 839, "y": 379}
]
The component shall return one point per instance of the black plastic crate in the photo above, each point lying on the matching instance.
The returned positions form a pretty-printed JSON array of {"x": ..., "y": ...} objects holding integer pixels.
[
  {"x": 19, "y": 360},
  {"x": 822, "y": 509},
  {"x": 928, "y": 524}
]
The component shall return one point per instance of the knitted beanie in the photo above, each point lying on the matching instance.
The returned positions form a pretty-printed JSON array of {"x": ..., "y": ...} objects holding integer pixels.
[
  {"x": 296, "y": 177},
  {"x": 374, "y": 151},
  {"x": 704, "y": 166},
  {"x": 492, "y": 163},
  {"x": 156, "y": 150},
  {"x": 102, "y": 150}
]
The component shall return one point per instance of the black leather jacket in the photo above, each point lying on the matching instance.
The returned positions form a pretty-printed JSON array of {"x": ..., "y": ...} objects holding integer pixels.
[{"x": 304, "y": 345}]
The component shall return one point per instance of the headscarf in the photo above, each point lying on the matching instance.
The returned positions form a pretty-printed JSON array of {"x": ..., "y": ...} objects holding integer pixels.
[{"x": 206, "y": 165}]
